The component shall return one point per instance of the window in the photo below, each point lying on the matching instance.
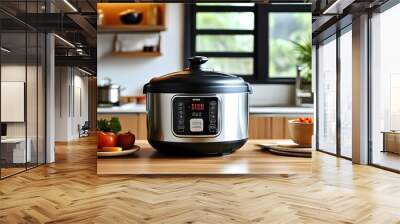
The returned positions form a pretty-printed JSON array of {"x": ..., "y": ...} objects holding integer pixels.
[
  {"x": 345, "y": 93},
  {"x": 385, "y": 89},
  {"x": 259, "y": 42}
]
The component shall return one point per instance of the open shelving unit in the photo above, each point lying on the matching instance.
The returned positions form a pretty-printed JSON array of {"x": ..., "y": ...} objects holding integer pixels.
[
  {"x": 137, "y": 54},
  {"x": 112, "y": 24},
  {"x": 130, "y": 28}
]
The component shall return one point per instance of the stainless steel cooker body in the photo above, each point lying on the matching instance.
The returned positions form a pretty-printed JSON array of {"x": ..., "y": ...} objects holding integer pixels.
[
  {"x": 197, "y": 111},
  {"x": 232, "y": 118}
]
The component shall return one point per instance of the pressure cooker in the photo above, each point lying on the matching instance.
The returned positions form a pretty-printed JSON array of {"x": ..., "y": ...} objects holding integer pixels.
[{"x": 197, "y": 111}]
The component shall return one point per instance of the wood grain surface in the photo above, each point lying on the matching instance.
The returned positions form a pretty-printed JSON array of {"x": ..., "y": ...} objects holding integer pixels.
[
  {"x": 70, "y": 191},
  {"x": 250, "y": 159}
]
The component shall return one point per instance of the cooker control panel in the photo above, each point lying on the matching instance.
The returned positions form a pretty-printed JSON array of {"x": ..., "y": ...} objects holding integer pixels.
[{"x": 195, "y": 116}]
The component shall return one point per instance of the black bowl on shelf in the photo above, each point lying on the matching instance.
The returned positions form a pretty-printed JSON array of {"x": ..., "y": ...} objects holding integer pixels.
[{"x": 131, "y": 17}]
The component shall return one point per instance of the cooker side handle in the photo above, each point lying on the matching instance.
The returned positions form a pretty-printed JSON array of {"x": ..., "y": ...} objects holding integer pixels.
[
  {"x": 250, "y": 89},
  {"x": 145, "y": 90}
]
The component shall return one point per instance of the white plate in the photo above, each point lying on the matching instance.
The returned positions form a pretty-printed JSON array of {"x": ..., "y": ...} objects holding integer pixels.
[{"x": 119, "y": 153}]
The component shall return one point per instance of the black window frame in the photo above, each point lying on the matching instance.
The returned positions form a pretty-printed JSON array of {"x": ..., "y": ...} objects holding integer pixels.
[{"x": 261, "y": 44}]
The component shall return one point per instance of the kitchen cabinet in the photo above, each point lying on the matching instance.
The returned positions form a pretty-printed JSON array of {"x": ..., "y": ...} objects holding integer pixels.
[
  {"x": 265, "y": 127},
  {"x": 135, "y": 123},
  {"x": 260, "y": 127}
]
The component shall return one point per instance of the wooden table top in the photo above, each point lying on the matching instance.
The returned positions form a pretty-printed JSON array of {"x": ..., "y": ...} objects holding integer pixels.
[{"x": 250, "y": 159}]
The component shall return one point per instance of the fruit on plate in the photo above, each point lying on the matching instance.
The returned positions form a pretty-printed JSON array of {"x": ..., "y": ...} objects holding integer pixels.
[
  {"x": 106, "y": 139},
  {"x": 110, "y": 149},
  {"x": 307, "y": 120},
  {"x": 126, "y": 140}
]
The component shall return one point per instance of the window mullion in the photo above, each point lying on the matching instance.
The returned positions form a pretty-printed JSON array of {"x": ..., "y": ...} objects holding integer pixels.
[
  {"x": 226, "y": 54},
  {"x": 223, "y": 32},
  {"x": 223, "y": 8},
  {"x": 190, "y": 30},
  {"x": 261, "y": 46}
]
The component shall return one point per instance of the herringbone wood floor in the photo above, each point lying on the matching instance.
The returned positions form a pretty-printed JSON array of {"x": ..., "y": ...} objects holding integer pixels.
[{"x": 69, "y": 191}]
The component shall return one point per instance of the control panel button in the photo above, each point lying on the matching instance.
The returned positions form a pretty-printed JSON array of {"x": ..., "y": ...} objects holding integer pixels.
[
  {"x": 196, "y": 125},
  {"x": 212, "y": 128}
]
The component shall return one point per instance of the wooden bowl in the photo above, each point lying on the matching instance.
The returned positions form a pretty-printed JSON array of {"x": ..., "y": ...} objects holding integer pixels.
[{"x": 301, "y": 133}]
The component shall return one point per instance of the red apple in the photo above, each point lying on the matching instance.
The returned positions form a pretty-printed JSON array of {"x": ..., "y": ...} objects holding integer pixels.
[
  {"x": 126, "y": 140},
  {"x": 106, "y": 139}
]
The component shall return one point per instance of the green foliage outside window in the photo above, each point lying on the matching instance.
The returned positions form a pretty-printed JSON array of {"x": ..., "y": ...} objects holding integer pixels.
[{"x": 287, "y": 31}]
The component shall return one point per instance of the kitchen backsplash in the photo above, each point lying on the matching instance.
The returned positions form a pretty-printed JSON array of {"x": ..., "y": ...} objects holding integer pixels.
[{"x": 272, "y": 95}]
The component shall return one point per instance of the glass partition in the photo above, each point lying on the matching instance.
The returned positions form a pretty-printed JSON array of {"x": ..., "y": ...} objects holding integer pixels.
[
  {"x": 14, "y": 153},
  {"x": 41, "y": 96},
  {"x": 31, "y": 98},
  {"x": 22, "y": 90},
  {"x": 326, "y": 94}
]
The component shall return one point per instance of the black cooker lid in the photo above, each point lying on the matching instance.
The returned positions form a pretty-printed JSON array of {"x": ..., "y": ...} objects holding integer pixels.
[{"x": 197, "y": 79}]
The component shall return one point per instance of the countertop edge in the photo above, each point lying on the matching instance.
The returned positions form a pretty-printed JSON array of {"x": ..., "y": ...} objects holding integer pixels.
[{"x": 266, "y": 111}]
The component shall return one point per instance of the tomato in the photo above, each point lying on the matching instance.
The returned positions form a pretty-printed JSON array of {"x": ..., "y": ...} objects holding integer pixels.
[
  {"x": 306, "y": 120},
  {"x": 126, "y": 140},
  {"x": 106, "y": 139}
]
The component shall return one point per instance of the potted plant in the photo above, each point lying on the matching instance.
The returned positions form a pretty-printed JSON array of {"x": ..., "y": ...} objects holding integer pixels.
[
  {"x": 304, "y": 59},
  {"x": 303, "y": 50}
]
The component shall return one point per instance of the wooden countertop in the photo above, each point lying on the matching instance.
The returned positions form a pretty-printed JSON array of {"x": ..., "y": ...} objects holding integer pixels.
[{"x": 250, "y": 159}]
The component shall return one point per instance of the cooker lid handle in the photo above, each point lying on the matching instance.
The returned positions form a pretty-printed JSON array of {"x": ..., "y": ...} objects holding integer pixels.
[
  {"x": 146, "y": 88},
  {"x": 197, "y": 61}
]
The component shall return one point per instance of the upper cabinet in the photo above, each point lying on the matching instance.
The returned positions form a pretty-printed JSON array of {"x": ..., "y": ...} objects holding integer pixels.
[{"x": 130, "y": 17}]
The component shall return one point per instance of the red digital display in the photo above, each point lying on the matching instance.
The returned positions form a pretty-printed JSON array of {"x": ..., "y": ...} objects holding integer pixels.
[{"x": 198, "y": 106}]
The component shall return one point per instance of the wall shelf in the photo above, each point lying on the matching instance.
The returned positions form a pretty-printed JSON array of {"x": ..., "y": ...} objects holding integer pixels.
[
  {"x": 130, "y": 28},
  {"x": 137, "y": 54},
  {"x": 153, "y": 22}
]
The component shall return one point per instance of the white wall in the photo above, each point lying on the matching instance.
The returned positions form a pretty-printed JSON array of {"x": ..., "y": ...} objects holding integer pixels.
[
  {"x": 133, "y": 73},
  {"x": 71, "y": 96},
  {"x": 33, "y": 126},
  {"x": 12, "y": 73},
  {"x": 274, "y": 95}
]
